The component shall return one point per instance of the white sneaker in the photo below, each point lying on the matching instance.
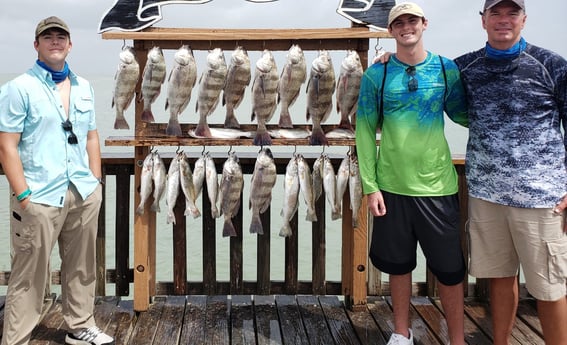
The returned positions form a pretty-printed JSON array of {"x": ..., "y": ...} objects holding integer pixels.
[
  {"x": 89, "y": 336},
  {"x": 398, "y": 339}
]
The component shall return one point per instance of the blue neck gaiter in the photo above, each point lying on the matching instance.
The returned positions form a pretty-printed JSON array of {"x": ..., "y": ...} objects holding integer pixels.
[
  {"x": 510, "y": 53},
  {"x": 56, "y": 76}
]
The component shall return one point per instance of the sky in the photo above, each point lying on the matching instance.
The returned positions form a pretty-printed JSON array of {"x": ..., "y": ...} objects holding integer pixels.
[{"x": 454, "y": 26}]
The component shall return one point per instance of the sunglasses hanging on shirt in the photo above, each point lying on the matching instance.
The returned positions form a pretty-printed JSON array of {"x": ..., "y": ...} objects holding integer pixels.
[
  {"x": 68, "y": 127},
  {"x": 412, "y": 82}
]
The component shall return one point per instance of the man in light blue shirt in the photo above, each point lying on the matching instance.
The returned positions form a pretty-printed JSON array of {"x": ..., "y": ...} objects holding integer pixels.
[{"x": 50, "y": 153}]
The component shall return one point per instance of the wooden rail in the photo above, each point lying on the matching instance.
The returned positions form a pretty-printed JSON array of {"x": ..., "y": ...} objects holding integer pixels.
[{"x": 121, "y": 166}]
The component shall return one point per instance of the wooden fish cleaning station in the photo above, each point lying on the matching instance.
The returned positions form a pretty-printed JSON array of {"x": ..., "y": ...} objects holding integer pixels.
[{"x": 147, "y": 135}]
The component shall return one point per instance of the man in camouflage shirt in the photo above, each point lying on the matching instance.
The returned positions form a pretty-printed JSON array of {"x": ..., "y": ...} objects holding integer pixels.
[{"x": 516, "y": 170}]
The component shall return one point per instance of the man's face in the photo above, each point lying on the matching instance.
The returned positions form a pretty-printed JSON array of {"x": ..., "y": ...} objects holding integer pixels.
[
  {"x": 503, "y": 24},
  {"x": 408, "y": 29},
  {"x": 52, "y": 47}
]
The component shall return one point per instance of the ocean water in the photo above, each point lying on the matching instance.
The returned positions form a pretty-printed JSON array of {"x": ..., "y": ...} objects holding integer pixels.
[{"x": 103, "y": 86}]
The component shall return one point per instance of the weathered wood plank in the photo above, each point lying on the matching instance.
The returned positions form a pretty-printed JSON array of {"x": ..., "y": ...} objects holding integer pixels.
[
  {"x": 314, "y": 320},
  {"x": 292, "y": 328},
  {"x": 339, "y": 324},
  {"x": 527, "y": 312},
  {"x": 291, "y": 258},
  {"x": 366, "y": 328},
  {"x": 473, "y": 334},
  {"x": 50, "y": 331},
  {"x": 432, "y": 317},
  {"x": 170, "y": 323},
  {"x": 242, "y": 321},
  {"x": 480, "y": 314},
  {"x": 194, "y": 320},
  {"x": 145, "y": 330},
  {"x": 217, "y": 320},
  {"x": 124, "y": 320},
  {"x": 104, "y": 310},
  {"x": 267, "y": 322}
]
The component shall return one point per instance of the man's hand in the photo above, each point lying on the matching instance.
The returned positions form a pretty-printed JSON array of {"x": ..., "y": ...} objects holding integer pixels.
[
  {"x": 383, "y": 57},
  {"x": 376, "y": 204},
  {"x": 560, "y": 209}
]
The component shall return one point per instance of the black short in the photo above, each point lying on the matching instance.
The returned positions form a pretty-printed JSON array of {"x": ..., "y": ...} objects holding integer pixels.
[{"x": 431, "y": 221}]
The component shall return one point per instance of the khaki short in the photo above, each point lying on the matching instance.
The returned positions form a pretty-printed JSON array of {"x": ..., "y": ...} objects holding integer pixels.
[{"x": 502, "y": 237}]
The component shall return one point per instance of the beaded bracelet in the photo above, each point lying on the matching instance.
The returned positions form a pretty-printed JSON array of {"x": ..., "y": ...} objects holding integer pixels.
[{"x": 24, "y": 195}]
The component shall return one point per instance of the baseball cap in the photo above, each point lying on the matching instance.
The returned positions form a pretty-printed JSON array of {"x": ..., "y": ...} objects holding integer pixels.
[
  {"x": 51, "y": 23},
  {"x": 404, "y": 8},
  {"x": 491, "y": 3}
]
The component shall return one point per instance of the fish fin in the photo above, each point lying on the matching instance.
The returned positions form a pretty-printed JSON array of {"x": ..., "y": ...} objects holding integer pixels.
[
  {"x": 203, "y": 130},
  {"x": 230, "y": 120},
  {"x": 140, "y": 209},
  {"x": 147, "y": 116},
  {"x": 262, "y": 139},
  {"x": 155, "y": 206},
  {"x": 336, "y": 215},
  {"x": 318, "y": 137},
  {"x": 170, "y": 217},
  {"x": 192, "y": 211},
  {"x": 173, "y": 128},
  {"x": 285, "y": 230},
  {"x": 215, "y": 212},
  {"x": 228, "y": 229},
  {"x": 256, "y": 225},
  {"x": 285, "y": 119},
  {"x": 311, "y": 216},
  {"x": 121, "y": 124},
  {"x": 345, "y": 124}
]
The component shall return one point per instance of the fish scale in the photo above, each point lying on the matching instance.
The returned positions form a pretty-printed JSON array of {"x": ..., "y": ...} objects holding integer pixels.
[{"x": 261, "y": 185}]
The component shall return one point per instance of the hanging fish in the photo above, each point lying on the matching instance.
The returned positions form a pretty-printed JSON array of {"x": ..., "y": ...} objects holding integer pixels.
[
  {"x": 230, "y": 192},
  {"x": 212, "y": 181},
  {"x": 261, "y": 185},
  {"x": 125, "y": 81},
  {"x": 237, "y": 80},
  {"x": 293, "y": 76},
  {"x": 348, "y": 88},
  {"x": 211, "y": 84},
  {"x": 146, "y": 182},
  {"x": 180, "y": 83},
  {"x": 159, "y": 174},
  {"x": 152, "y": 79},
  {"x": 343, "y": 176},
  {"x": 291, "y": 196},
  {"x": 264, "y": 96},
  {"x": 320, "y": 89},
  {"x": 187, "y": 187},
  {"x": 330, "y": 186},
  {"x": 306, "y": 187},
  {"x": 172, "y": 193},
  {"x": 355, "y": 188}
]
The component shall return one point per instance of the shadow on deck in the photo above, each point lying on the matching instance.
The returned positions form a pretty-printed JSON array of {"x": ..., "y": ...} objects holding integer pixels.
[{"x": 280, "y": 319}]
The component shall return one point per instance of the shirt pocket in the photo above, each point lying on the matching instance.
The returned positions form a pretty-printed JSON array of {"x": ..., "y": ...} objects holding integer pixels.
[
  {"x": 84, "y": 109},
  {"x": 557, "y": 260}
]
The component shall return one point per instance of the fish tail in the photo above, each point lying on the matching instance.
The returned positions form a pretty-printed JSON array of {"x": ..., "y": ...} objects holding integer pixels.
[
  {"x": 285, "y": 230},
  {"x": 256, "y": 225},
  {"x": 147, "y": 116},
  {"x": 120, "y": 123},
  {"x": 262, "y": 139},
  {"x": 140, "y": 209},
  {"x": 336, "y": 214},
  {"x": 170, "y": 217},
  {"x": 345, "y": 123},
  {"x": 192, "y": 211},
  {"x": 173, "y": 128},
  {"x": 155, "y": 206},
  {"x": 230, "y": 120},
  {"x": 228, "y": 229},
  {"x": 203, "y": 130},
  {"x": 311, "y": 216},
  {"x": 285, "y": 119},
  {"x": 215, "y": 212},
  {"x": 318, "y": 137}
]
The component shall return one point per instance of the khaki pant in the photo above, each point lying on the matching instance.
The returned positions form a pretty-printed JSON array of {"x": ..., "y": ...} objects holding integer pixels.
[{"x": 34, "y": 231}]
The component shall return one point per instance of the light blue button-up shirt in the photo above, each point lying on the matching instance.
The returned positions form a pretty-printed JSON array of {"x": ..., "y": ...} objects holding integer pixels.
[{"x": 31, "y": 105}]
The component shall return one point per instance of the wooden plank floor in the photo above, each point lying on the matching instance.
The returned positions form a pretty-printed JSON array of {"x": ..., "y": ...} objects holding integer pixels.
[{"x": 280, "y": 319}]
